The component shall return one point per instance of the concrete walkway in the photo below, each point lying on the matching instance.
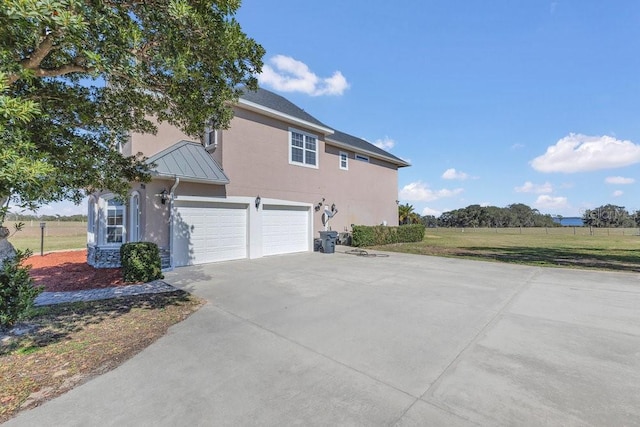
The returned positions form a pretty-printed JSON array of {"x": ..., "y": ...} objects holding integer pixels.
[
  {"x": 315, "y": 339},
  {"x": 155, "y": 287}
]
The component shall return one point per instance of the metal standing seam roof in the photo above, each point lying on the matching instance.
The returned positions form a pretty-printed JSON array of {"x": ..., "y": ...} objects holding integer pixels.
[
  {"x": 188, "y": 161},
  {"x": 278, "y": 103}
]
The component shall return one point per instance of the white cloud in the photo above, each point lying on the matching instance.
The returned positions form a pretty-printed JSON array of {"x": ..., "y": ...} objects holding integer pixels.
[
  {"x": 549, "y": 202},
  {"x": 429, "y": 211},
  {"x": 530, "y": 187},
  {"x": 582, "y": 153},
  {"x": 618, "y": 193},
  {"x": 420, "y": 192},
  {"x": 619, "y": 180},
  {"x": 386, "y": 143},
  {"x": 454, "y": 174},
  {"x": 290, "y": 75},
  {"x": 517, "y": 146}
]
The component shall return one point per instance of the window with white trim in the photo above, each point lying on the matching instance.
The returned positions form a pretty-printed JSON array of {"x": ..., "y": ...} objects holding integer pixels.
[
  {"x": 344, "y": 161},
  {"x": 362, "y": 158},
  {"x": 210, "y": 139},
  {"x": 303, "y": 148},
  {"x": 115, "y": 215}
]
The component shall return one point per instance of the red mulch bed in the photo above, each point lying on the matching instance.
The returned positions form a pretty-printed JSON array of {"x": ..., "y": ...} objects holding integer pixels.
[{"x": 69, "y": 271}]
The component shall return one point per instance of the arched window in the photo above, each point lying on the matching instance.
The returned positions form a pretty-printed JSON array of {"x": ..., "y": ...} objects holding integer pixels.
[{"x": 134, "y": 217}]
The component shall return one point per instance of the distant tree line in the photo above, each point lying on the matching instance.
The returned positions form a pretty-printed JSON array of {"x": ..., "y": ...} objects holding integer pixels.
[
  {"x": 517, "y": 215},
  {"x": 514, "y": 215},
  {"x": 11, "y": 216},
  {"x": 611, "y": 216}
]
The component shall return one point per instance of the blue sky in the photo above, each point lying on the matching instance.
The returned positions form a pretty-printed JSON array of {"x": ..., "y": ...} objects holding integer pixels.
[{"x": 493, "y": 102}]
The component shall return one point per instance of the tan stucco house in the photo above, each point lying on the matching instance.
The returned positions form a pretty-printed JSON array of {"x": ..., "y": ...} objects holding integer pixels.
[{"x": 256, "y": 189}]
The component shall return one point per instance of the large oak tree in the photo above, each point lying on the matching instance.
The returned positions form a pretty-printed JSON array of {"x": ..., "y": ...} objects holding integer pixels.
[{"x": 77, "y": 75}]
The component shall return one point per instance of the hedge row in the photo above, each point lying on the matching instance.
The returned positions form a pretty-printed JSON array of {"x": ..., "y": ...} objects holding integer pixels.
[{"x": 364, "y": 235}]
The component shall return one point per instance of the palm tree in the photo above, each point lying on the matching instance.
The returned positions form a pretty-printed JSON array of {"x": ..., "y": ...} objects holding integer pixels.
[{"x": 405, "y": 213}]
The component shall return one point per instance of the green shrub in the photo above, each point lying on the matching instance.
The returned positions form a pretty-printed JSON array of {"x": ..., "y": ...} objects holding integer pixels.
[
  {"x": 411, "y": 233},
  {"x": 140, "y": 262},
  {"x": 363, "y": 235},
  {"x": 17, "y": 290}
]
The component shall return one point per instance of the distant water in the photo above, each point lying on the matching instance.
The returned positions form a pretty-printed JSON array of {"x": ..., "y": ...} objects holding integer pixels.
[{"x": 570, "y": 221}]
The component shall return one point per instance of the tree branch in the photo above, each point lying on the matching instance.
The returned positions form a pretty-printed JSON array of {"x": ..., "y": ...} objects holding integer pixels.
[
  {"x": 39, "y": 54},
  {"x": 66, "y": 69},
  {"x": 35, "y": 59}
]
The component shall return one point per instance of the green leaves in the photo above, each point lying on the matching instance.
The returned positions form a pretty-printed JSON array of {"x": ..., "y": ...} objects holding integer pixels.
[
  {"x": 17, "y": 289},
  {"x": 61, "y": 123}
]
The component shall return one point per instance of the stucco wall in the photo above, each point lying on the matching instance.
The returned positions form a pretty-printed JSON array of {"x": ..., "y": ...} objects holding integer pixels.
[
  {"x": 156, "y": 227},
  {"x": 149, "y": 144},
  {"x": 254, "y": 153},
  {"x": 167, "y": 135},
  {"x": 366, "y": 193}
]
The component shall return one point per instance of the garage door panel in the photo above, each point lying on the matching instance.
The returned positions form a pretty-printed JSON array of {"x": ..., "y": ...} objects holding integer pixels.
[
  {"x": 209, "y": 233},
  {"x": 285, "y": 229}
]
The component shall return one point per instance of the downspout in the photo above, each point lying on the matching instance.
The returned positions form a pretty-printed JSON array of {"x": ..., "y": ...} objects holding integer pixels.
[{"x": 171, "y": 196}]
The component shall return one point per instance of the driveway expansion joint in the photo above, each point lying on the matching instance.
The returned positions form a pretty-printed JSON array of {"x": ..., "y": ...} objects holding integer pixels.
[
  {"x": 257, "y": 325},
  {"x": 492, "y": 321}
]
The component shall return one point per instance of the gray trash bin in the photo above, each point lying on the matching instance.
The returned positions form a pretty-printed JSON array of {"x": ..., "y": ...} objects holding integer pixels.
[{"x": 328, "y": 241}]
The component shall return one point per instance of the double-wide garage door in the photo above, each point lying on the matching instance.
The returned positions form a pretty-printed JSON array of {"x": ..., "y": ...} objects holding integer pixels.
[{"x": 211, "y": 232}]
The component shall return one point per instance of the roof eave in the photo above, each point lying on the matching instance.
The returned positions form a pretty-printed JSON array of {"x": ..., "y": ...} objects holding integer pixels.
[
  {"x": 190, "y": 179},
  {"x": 252, "y": 106},
  {"x": 398, "y": 162}
]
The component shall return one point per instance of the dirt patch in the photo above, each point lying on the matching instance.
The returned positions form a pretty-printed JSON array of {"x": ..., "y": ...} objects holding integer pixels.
[
  {"x": 63, "y": 346},
  {"x": 69, "y": 271},
  {"x": 68, "y": 344}
]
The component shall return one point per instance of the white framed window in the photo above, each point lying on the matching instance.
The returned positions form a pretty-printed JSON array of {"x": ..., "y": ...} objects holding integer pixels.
[
  {"x": 303, "y": 148},
  {"x": 134, "y": 217},
  {"x": 210, "y": 138},
  {"x": 344, "y": 161},
  {"x": 362, "y": 158},
  {"x": 115, "y": 222}
]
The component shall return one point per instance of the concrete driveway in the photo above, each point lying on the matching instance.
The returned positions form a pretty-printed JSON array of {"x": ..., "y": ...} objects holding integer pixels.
[{"x": 315, "y": 339}]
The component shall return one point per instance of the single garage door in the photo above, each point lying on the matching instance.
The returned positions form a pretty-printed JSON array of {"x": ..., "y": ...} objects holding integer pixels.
[
  {"x": 285, "y": 229},
  {"x": 208, "y": 232}
]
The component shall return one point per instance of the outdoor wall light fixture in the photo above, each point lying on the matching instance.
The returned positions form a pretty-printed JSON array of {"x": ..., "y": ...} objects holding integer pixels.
[
  {"x": 164, "y": 196},
  {"x": 258, "y": 200}
]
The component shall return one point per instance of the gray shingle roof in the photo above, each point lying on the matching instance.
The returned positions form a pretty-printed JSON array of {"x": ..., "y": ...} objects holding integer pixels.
[
  {"x": 280, "y": 104},
  {"x": 360, "y": 144},
  {"x": 276, "y": 102},
  {"x": 189, "y": 161}
]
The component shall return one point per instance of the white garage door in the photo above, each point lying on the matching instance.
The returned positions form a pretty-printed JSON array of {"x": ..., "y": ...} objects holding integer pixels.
[
  {"x": 208, "y": 232},
  {"x": 285, "y": 229}
]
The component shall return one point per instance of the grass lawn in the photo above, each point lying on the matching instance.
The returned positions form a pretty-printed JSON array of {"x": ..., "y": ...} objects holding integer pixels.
[
  {"x": 67, "y": 344},
  {"x": 557, "y": 247},
  {"x": 58, "y": 235}
]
